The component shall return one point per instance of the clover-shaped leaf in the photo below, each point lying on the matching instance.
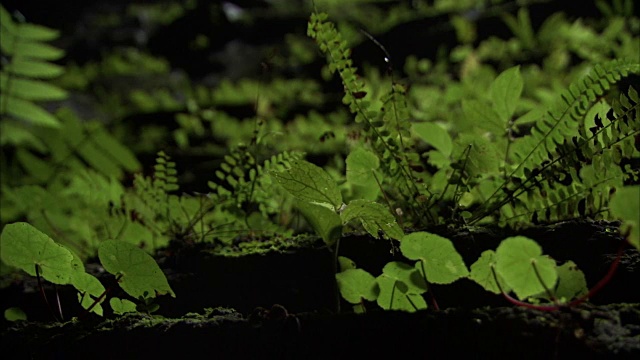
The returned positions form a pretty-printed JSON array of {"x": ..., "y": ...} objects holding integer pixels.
[{"x": 139, "y": 273}]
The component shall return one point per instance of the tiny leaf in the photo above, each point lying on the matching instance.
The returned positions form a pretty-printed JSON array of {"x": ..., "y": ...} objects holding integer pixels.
[
  {"x": 122, "y": 306},
  {"x": 14, "y": 314}
]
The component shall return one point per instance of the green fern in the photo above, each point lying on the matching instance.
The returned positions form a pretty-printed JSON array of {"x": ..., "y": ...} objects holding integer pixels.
[
  {"x": 387, "y": 129},
  {"x": 26, "y": 66},
  {"x": 565, "y": 172}
]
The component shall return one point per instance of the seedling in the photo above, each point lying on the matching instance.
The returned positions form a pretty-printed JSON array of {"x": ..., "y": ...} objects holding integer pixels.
[{"x": 30, "y": 250}]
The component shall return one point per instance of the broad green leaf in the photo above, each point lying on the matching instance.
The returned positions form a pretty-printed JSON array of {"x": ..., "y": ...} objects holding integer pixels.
[
  {"x": 25, "y": 247},
  {"x": 625, "y": 205},
  {"x": 484, "y": 156},
  {"x": 401, "y": 288},
  {"x": 442, "y": 263},
  {"x": 28, "y": 111},
  {"x": 435, "y": 136},
  {"x": 516, "y": 257},
  {"x": 325, "y": 222},
  {"x": 361, "y": 164},
  {"x": 357, "y": 284},
  {"x": 482, "y": 116},
  {"x": 374, "y": 217},
  {"x": 571, "y": 282},
  {"x": 122, "y": 306},
  {"x": 482, "y": 274},
  {"x": 14, "y": 314},
  {"x": 139, "y": 272},
  {"x": 33, "y": 68},
  {"x": 505, "y": 92},
  {"x": 31, "y": 89},
  {"x": 310, "y": 183}
]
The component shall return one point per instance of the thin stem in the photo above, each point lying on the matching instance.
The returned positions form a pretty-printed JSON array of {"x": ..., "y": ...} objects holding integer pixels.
[
  {"x": 44, "y": 295},
  {"x": 434, "y": 302},
  {"x": 550, "y": 294}
]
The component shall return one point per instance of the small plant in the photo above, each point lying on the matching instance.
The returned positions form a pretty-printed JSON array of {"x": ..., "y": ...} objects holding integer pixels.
[
  {"x": 556, "y": 171},
  {"x": 473, "y": 137},
  {"x": 28, "y": 249}
]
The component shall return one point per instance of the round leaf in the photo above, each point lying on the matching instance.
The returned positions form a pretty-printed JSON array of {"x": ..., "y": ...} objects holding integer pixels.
[
  {"x": 517, "y": 257},
  {"x": 482, "y": 274},
  {"x": 25, "y": 247},
  {"x": 401, "y": 288},
  {"x": 357, "y": 284},
  {"x": 140, "y": 274},
  {"x": 442, "y": 263}
]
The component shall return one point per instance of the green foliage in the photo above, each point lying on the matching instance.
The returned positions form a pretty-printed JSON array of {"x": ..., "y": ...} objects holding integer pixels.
[
  {"x": 14, "y": 314},
  {"x": 30, "y": 250},
  {"x": 322, "y": 201},
  {"x": 22, "y": 79},
  {"x": 625, "y": 204},
  {"x": 401, "y": 288},
  {"x": 437, "y": 259},
  {"x": 139, "y": 275},
  {"x": 484, "y": 134},
  {"x": 519, "y": 266}
]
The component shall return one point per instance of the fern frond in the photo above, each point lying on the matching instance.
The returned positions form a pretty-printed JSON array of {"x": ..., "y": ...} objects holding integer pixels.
[
  {"x": 22, "y": 77},
  {"x": 386, "y": 129},
  {"x": 577, "y": 178}
]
